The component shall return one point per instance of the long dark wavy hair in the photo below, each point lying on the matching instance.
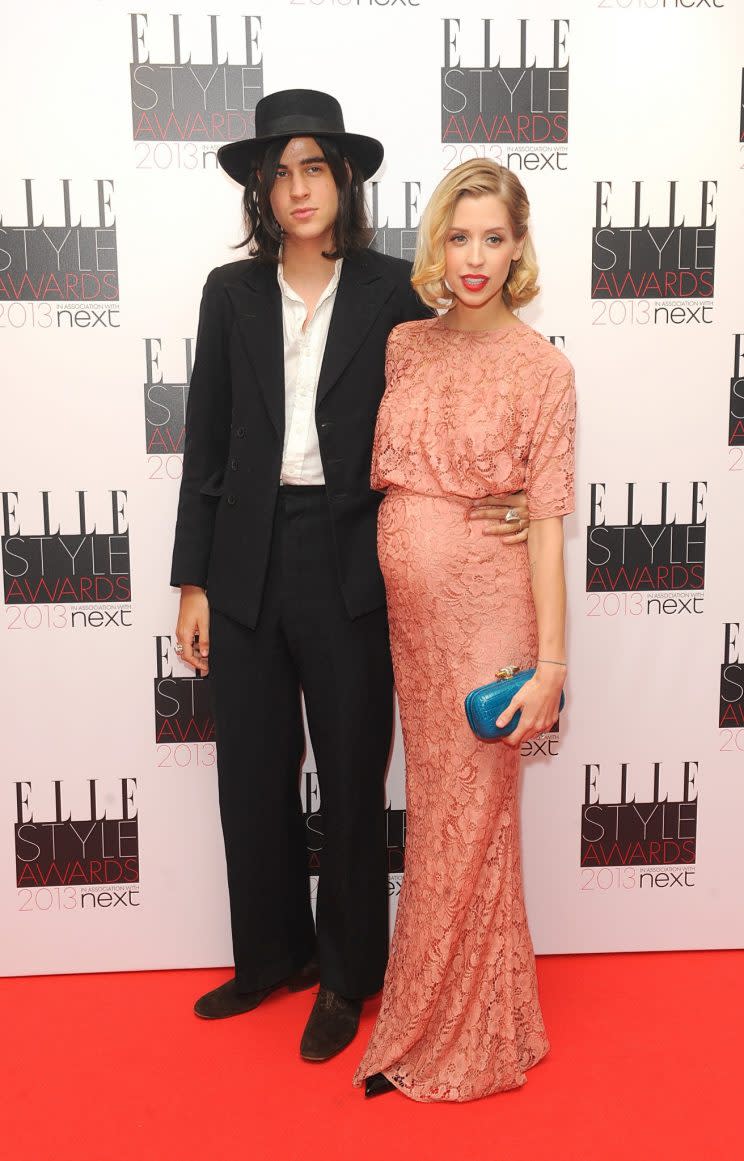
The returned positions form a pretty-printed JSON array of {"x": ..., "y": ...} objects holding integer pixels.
[{"x": 351, "y": 230}]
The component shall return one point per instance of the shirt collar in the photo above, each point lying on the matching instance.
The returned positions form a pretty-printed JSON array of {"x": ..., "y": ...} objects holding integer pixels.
[{"x": 288, "y": 292}]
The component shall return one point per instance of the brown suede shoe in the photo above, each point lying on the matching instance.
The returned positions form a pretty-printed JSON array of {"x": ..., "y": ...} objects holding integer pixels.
[
  {"x": 226, "y": 1000},
  {"x": 333, "y": 1024}
]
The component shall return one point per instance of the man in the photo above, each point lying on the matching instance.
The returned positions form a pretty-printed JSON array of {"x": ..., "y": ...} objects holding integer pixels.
[{"x": 275, "y": 554}]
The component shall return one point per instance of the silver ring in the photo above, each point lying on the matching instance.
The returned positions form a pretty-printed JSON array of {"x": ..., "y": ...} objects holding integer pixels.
[
  {"x": 178, "y": 647},
  {"x": 512, "y": 515}
]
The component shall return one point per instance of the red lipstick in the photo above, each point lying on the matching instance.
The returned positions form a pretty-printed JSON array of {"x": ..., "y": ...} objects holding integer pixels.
[{"x": 474, "y": 282}]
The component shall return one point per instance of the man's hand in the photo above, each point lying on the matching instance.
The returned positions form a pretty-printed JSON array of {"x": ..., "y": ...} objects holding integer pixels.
[
  {"x": 493, "y": 511},
  {"x": 192, "y": 629}
]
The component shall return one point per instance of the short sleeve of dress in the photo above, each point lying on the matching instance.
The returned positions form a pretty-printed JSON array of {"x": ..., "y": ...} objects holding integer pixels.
[{"x": 549, "y": 481}]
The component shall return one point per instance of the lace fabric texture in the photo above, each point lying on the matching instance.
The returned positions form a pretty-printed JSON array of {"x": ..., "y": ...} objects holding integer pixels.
[{"x": 464, "y": 415}]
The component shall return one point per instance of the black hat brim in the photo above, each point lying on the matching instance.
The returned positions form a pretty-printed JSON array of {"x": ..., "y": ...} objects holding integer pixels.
[{"x": 240, "y": 157}]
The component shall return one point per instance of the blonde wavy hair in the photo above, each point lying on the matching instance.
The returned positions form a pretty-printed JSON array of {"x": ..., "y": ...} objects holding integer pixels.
[{"x": 475, "y": 178}]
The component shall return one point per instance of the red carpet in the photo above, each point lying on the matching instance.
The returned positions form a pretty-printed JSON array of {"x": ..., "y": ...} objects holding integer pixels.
[{"x": 645, "y": 1064}]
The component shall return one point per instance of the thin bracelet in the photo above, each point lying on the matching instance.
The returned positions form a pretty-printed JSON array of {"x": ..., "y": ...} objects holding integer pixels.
[{"x": 544, "y": 661}]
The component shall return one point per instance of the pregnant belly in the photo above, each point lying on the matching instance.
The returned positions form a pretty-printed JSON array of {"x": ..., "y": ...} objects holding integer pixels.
[
  {"x": 460, "y": 603},
  {"x": 427, "y": 545}
]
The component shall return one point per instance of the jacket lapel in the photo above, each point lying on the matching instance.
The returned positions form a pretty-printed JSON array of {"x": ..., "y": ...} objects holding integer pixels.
[
  {"x": 360, "y": 296},
  {"x": 258, "y": 310}
]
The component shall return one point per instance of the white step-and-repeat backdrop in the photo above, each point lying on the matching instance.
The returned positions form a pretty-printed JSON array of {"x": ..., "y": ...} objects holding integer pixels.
[{"x": 624, "y": 118}]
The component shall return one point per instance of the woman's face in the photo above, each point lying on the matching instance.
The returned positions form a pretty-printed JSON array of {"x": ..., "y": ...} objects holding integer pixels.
[
  {"x": 479, "y": 249},
  {"x": 304, "y": 197}
]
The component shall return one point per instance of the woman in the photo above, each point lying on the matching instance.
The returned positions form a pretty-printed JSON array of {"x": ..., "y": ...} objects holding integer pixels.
[{"x": 476, "y": 402}]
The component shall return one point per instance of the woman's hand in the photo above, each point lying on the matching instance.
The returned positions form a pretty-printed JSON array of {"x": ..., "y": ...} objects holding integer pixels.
[
  {"x": 192, "y": 629},
  {"x": 492, "y": 511},
  {"x": 539, "y": 700}
]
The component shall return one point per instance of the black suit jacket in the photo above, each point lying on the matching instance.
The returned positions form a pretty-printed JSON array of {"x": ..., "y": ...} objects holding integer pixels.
[{"x": 235, "y": 429}]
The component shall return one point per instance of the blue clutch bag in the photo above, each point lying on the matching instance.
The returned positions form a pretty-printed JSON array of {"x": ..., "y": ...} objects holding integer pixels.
[{"x": 485, "y": 704}]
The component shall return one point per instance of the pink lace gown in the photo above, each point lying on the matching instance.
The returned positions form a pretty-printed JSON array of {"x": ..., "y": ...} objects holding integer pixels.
[{"x": 464, "y": 415}]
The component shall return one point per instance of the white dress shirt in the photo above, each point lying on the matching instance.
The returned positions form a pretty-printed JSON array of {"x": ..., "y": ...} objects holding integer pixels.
[{"x": 303, "y": 355}]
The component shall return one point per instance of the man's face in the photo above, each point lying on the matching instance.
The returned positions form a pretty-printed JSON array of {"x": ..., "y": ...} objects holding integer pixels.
[{"x": 304, "y": 197}]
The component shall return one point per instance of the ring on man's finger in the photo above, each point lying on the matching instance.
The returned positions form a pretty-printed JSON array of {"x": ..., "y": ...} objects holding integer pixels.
[{"x": 178, "y": 647}]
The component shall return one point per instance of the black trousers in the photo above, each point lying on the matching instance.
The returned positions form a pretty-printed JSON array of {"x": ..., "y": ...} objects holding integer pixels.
[{"x": 304, "y": 641}]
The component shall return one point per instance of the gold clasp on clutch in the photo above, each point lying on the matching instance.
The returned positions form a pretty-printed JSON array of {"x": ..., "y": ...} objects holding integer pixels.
[{"x": 507, "y": 671}]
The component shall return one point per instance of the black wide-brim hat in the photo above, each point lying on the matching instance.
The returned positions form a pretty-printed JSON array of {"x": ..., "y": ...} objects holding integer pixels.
[{"x": 298, "y": 113}]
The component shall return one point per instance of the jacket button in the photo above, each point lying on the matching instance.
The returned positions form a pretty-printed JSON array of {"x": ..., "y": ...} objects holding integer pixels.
[
  {"x": 232, "y": 500},
  {"x": 233, "y": 465},
  {"x": 240, "y": 433}
]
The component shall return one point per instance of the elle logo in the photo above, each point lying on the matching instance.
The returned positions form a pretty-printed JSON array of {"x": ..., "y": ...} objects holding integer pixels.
[
  {"x": 731, "y": 700},
  {"x": 166, "y": 398},
  {"x": 97, "y": 845},
  {"x": 736, "y": 398},
  {"x": 183, "y": 710},
  {"x": 517, "y": 100},
  {"x": 648, "y": 548},
  {"x": 617, "y": 829},
  {"x": 63, "y": 245},
  {"x": 665, "y": 252},
  {"x": 399, "y": 241},
  {"x": 178, "y": 99},
  {"x": 71, "y": 567}
]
